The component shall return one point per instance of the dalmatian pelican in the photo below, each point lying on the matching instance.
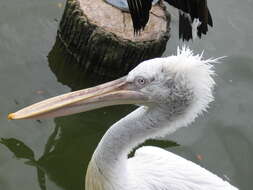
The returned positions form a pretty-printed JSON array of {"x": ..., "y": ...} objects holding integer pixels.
[{"x": 171, "y": 92}]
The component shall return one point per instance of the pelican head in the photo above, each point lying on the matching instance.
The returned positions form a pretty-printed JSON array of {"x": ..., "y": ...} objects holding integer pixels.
[{"x": 176, "y": 84}]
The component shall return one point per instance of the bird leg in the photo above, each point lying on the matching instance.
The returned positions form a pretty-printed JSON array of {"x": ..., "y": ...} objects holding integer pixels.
[{"x": 122, "y": 4}]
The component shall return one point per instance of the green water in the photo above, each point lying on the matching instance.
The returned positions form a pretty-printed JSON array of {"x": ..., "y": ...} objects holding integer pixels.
[{"x": 53, "y": 154}]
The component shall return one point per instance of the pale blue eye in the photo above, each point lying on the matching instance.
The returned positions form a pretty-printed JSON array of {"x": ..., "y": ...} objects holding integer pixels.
[{"x": 140, "y": 81}]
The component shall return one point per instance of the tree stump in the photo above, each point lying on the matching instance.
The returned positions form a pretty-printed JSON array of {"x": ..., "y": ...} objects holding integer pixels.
[{"x": 102, "y": 40}]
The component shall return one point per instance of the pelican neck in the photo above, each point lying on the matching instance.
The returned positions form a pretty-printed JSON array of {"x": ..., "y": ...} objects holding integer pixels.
[{"x": 142, "y": 124}]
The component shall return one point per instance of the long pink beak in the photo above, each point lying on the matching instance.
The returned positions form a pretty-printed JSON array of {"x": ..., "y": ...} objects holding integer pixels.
[{"x": 112, "y": 93}]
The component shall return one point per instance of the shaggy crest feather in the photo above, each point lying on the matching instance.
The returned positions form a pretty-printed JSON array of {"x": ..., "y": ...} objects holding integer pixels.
[{"x": 200, "y": 74}]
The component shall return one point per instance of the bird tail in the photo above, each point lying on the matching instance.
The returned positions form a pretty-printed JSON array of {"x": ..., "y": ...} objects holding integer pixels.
[
  {"x": 139, "y": 10},
  {"x": 189, "y": 11}
]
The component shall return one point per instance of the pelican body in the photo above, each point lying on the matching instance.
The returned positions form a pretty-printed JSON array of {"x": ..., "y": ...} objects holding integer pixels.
[{"x": 171, "y": 92}]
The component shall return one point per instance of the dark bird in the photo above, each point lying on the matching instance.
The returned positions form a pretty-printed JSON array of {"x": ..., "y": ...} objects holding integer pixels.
[{"x": 190, "y": 12}]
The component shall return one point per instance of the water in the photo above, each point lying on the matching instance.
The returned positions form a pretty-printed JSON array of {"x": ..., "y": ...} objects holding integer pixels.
[{"x": 53, "y": 154}]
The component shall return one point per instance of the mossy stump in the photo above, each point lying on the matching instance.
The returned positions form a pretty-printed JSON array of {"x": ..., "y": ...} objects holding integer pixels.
[{"x": 102, "y": 40}]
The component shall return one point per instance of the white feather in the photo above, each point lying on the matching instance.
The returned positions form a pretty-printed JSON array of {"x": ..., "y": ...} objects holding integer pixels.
[{"x": 153, "y": 168}]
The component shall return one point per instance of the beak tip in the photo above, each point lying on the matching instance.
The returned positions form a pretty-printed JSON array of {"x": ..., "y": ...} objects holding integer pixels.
[{"x": 11, "y": 116}]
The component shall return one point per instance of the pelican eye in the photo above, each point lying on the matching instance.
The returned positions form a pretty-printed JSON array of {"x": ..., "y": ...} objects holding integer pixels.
[{"x": 140, "y": 81}]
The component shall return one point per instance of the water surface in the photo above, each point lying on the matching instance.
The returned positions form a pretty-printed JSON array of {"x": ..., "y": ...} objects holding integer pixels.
[{"x": 53, "y": 154}]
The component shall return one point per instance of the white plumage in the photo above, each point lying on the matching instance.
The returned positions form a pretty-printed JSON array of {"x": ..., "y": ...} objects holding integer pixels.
[
  {"x": 173, "y": 91},
  {"x": 181, "y": 174},
  {"x": 153, "y": 168}
]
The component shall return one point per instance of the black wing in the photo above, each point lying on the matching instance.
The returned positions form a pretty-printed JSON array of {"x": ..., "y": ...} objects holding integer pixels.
[
  {"x": 190, "y": 10},
  {"x": 139, "y": 10}
]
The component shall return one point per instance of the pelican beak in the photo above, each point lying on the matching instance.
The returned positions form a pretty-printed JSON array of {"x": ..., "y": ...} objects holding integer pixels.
[{"x": 112, "y": 93}]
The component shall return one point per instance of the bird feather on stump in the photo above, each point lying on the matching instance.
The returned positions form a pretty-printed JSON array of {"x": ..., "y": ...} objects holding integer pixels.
[{"x": 194, "y": 16}]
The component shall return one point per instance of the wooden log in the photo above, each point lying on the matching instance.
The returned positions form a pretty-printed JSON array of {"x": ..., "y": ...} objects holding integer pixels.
[
  {"x": 101, "y": 37},
  {"x": 68, "y": 71}
]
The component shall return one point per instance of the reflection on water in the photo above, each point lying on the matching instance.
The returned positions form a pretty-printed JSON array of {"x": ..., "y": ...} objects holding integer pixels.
[
  {"x": 54, "y": 154},
  {"x": 68, "y": 71},
  {"x": 68, "y": 149}
]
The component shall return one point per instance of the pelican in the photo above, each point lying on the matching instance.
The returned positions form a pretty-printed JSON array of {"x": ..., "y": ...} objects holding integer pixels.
[
  {"x": 171, "y": 92},
  {"x": 194, "y": 15}
]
